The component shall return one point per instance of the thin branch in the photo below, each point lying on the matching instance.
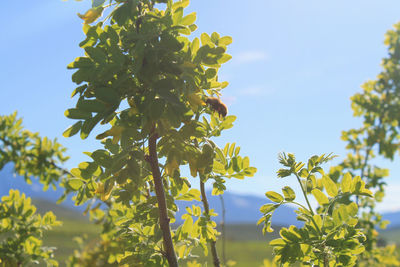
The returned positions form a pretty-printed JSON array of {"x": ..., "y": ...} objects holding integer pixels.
[
  {"x": 308, "y": 203},
  {"x": 207, "y": 212},
  {"x": 207, "y": 209},
  {"x": 223, "y": 230},
  {"x": 162, "y": 206}
]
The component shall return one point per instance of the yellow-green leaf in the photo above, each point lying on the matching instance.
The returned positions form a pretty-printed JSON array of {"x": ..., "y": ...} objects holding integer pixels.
[
  {"x": 288, "y": 193},
  {"x": 330, "y": 186},
  {"x": 320, "y": 197},
  {"x": 75, "y": 183},
  {"x": 273, "y": 196},
  {"x": 189, "y": 19},
  {"x": 346, "y": 183}
]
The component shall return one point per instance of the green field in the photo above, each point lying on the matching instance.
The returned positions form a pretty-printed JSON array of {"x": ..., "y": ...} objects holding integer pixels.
[
  {"x": 245, "y": 244},
  {"x": 244, "y": 252}
]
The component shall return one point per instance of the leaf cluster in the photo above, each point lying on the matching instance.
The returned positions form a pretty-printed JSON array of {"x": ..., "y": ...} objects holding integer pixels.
[
  {"x": 21, "y": 230},
  {"x": 330, "y": 233}
]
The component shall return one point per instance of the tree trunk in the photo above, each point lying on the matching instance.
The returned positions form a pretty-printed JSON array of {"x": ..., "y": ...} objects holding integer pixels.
[{"x": 162, "y": 206}]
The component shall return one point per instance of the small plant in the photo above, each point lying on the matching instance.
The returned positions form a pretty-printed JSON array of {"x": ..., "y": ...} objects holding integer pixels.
[
  {"x": 20, "y": 232},
  {"x": 329, "y": 236}
]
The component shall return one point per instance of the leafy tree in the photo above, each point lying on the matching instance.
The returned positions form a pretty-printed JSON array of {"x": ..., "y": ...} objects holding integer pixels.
[
  {"x": 379, "y": 106},
  {"x": 20, "y": 231},
  {"x": 149, "y": 83},
  {"x": 21, "y": 228},
  {"x": 30, "y": 154}
]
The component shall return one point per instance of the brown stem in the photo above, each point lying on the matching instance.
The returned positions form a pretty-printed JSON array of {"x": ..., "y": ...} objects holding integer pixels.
[
  {"x": 223, "y": 230},
  {"x": 207, "y": 212},
  {"x": 326, "y": 261},
  {"x": 162, "y": 206}
]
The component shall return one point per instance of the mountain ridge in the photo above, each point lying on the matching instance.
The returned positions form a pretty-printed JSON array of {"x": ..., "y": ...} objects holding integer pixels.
[{"x": 239, "y": 209}]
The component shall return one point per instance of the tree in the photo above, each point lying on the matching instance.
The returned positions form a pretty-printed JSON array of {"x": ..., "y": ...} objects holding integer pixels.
[
  {"x": 21, "y": 228},
  {"x": 149, "y": 83},
  {"x": 379, "y": 106}
]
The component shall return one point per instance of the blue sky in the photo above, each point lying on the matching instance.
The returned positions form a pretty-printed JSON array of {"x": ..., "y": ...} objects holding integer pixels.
[{"x": 295, "y": 65}]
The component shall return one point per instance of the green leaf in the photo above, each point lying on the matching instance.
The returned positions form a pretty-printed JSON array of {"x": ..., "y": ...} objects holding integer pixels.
[
  {"x": 73, "y": 129},
  {"x": 273, "y": 196},
  {"x": 102, "y": 157},
  {"x": 346, "y": 183},
  {"x": 232, "y": 149},
  {"x": 91, "y": 105},
  {"x": 288, "y": 193},
  {"x": 278, "y": 242},
  {"x": 189, "y": 19},
  {"x": 318, "y": 220},
  {"x": 188, "y": 225},
  {"x": 224, "y": 59},
  {"x": 170, "y": 42},
  {"x": 193, "y": 194},
  {"x": 356, "y": 184},
  {"x": 108, "y": 95},
  {"x": 352, "y": 209},
  {"x": 156, "y": 108},
  {"x": 205, "y": 39},
  {"x": 330, "y": 186},
  {"x": 289, "y": 235},
  {"x": 77, "y": 114},
  {"x": 226, "y": 40},
  {"x": 210, "y": 73},
  {"x": 81, "y": 62},
  {"x": 75, "y": 183},
  {"x": 340, "y": 215},
  {"x": 320, "y": 197},
  {"x": 96, "y": 53},
  {"x": 177, "y": 16},
  {"x": 267, "y": 208},
  {"x": 89, "y": 124}
]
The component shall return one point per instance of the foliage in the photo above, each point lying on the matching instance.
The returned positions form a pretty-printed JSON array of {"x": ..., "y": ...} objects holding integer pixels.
[
  {"x": 149, "y": 83},
  {"x": 31, "y": 155},
  {"x": 20, "y": 232},
  {"x": 20, "y": 228},
  {"x": 378, "y": 105},
  {"x": 330, "y": 233}
]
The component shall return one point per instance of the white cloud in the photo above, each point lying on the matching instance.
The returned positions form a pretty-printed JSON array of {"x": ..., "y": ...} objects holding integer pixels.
[
  {"x": 391, "y": 201},
  {"x": 250, "y": 56}
]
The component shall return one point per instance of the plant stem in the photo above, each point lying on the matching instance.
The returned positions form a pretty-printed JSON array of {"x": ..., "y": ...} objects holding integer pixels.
[
  {"x": 305, "y": 194},
  {"x": 363, "y": 167},
  {"x": 162, "y": 206},
  {"x": 308, "y": 203},
  {"x": 207, "y": 212},
  {"x": 223, "y": 230},
  {"x": 326, "y": 260}
]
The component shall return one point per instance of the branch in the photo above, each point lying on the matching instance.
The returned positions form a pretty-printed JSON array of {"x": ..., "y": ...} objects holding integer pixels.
[
  {"x": 162, "y": 206},
  {"x": 223, "y": 230},
  {"x": 207, "y": 212}
]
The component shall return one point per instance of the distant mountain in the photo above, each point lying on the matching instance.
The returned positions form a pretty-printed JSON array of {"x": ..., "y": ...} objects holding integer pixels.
[
  {"x": 243, "y": 209},
  {"x": 394, "y": 218},
  {"x": 35, "y": 190},
  {"x": 240, "y": 209}
]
